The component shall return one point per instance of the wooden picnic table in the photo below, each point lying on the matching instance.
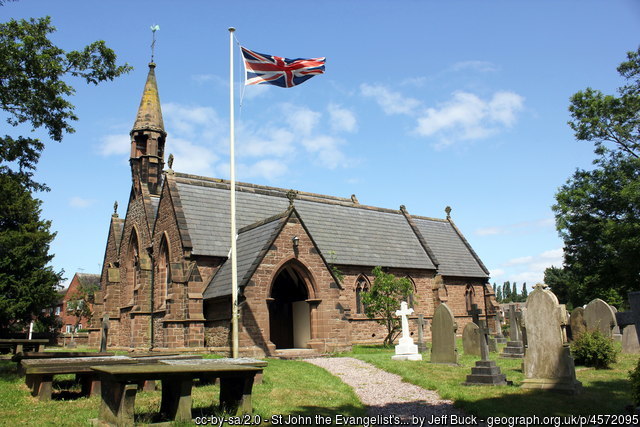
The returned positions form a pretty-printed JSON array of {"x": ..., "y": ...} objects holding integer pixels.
[
  {"x": 39, "y": 373},
  {"x": 119, "y": 387},
  {"x": 17, "y": 345}
]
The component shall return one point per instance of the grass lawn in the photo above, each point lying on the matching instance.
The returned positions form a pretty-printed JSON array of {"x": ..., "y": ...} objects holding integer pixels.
[
  {"x": 605, "y": 391},
  {"x": 288, "y": 388}
]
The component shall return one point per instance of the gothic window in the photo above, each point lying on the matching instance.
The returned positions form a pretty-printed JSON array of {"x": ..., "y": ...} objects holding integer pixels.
[
  {"x": 413, "y": 291},
  {"x": 362, "y": 285},
  {"x": 164, "y": 275},
  {"x": 133, "y": 266},
  {"x": 469, "y": 295}
]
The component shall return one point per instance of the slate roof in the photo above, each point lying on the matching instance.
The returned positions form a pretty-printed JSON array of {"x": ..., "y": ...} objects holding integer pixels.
[
  {"x": 346, "y": 232},
  {"x": 252, "y": 242}
]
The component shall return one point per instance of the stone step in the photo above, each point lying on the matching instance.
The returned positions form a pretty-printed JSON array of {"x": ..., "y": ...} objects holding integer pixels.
[{"x": 297, "y": 353}]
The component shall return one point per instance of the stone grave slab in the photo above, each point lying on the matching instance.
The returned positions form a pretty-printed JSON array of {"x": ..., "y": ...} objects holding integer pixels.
[
  {"x": 599, "y": 316},
  {"x": 471, "y": 339},
  {"x": 577, "y": 323}
]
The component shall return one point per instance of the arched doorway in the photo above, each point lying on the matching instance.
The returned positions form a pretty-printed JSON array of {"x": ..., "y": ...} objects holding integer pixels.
[{"x": 289, "y": 312}]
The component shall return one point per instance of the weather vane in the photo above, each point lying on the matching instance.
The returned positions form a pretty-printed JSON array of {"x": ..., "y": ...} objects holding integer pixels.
[{"x": 154, "y": 28}]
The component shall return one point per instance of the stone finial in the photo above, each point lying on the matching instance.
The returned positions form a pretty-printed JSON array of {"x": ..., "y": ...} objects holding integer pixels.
[
  {"x": 170, "y": 161},
  {"x": 354, "y": 199},
  {"x": 291, "y": 195},
  {"x": 115, "y": 208},
  {"x": 448, "y": 211}
]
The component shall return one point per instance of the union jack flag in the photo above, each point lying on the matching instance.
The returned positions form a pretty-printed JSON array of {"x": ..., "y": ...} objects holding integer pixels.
[{"x": 275, "y": 70}]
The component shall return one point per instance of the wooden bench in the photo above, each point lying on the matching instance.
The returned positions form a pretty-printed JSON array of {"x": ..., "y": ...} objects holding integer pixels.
[
  {"x": 18, "y": 345},
  {"x": 39, "y": 373},
  {"x": 119, "y": 387},
  {"x": 247, "y": 361}
]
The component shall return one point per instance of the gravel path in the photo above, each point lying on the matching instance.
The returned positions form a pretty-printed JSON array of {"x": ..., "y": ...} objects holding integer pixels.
[{"x": 385, "y": 394}]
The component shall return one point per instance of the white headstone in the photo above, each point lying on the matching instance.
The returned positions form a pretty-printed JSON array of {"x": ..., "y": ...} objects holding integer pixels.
[{"x": 406, "y": 349}]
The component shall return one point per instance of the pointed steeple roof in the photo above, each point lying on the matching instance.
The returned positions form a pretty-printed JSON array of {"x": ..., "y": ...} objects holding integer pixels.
[{"x": 149, "y": 115}]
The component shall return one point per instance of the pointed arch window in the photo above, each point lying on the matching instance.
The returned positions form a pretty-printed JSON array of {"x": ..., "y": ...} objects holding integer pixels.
[
  {"x": 362, "y": 285},
  {"x": 164, "y": 275},
  {"x": 133, "y": 266},
  {"x": 414, "y": 290},
  {"x": 469, "y": 297}
]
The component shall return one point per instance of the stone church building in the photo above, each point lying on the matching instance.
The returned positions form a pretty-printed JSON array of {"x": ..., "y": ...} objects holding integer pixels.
[{"x": 303, "y": 260}]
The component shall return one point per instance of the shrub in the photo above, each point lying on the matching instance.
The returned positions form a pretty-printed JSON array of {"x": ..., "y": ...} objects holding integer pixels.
[
  {"x": 592, "y": 348},
  {"x": 634, "y": 376}
]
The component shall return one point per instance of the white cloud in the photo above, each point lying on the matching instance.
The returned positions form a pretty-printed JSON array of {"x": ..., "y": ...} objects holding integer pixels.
[
  {"x": 326, "y": 149},
  {"x": 192, "y": 121},
  {"x": 269, "y": 169},
  {"x": 115, "y": 144},
  {"x": 271, "y": 141},
  {"x": 529, "y": 268},
  {"x": 467, "y": 117},
  {"x": 192, "y": 158},
  {"x": 302, "y": 120},
  {"x": 524, "y": 227},
  {"x": 481, "y": 66},
  {"x": 342, "y": 120},
  {"x": 254, "y": 91},
  {"x": 390, "y": 102},
  {"x": 79, "y": 202}
]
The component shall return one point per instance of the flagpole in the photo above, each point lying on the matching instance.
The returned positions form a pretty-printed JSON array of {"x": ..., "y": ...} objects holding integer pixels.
[{"x": 234, "y": 264}]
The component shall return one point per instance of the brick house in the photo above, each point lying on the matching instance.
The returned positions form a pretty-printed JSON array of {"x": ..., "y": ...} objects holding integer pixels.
[
  {"x": 166, "y": 279},
  {"x": 78, "y": 281}
]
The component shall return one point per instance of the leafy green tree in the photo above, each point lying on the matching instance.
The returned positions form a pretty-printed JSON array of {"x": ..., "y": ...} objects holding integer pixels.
[
  {"x": 80, "y": 303},
  {"x": 514, "y": 293},
  {"x": 34, "y": 93},
  {"x": 525, "y": 293},
  {"x": 498, "y": 292},
  {"x": 564, "y": 285},
  {"x": 598, "y": 211},
  {"x": 384, "y": 298}
]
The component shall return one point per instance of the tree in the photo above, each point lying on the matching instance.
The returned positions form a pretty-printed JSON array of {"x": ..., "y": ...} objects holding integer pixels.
[
  {"x": 80, "y": 302},
  {"x": 498, "y": 292},
  {"x": 27, "y": 284},
  {"x": 34, "y": 92},
  {"x": 384, "y": 298},
  {"x": 525, "y": 293},
  {"x": 598, "y": 211},
  {"x": 506, "y": 291},
  {"x": 514, "y": 293}
]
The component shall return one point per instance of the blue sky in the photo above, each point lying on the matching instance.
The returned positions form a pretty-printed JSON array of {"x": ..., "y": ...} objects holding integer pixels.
[{"x": 424, "y": 103}]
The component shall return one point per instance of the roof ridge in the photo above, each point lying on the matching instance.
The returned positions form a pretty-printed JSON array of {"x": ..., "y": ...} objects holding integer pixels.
[
  {"x": 280, "y": 192},
  {"x": 264, "y": 221},
  {"x": 428, "y": 218}
]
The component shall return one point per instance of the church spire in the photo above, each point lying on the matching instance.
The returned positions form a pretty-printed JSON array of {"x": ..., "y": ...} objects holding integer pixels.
[
  {"x": 149, "y": 113},
  {"x": 148, "y": 136}
]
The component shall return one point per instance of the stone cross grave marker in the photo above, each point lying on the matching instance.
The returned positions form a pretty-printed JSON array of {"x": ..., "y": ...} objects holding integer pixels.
[
  {"x": 443, "y": 336},
  {"x": 486, "y": 372},
  {"x": 629, "y": 322},
  {"x": 422, "y": 346},
  {"x": 515, "y": 347},
  {"x": 406, "y": 349},
  {"x": 599, "y": 316},
  {"x": 548, "y": 363},
  {"x": 104, "y": 332},
  {"x": 498, "y": 322}
]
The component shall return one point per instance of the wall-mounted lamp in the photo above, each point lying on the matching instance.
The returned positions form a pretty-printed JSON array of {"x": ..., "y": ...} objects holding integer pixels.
[{"x": 296, "y": 241}]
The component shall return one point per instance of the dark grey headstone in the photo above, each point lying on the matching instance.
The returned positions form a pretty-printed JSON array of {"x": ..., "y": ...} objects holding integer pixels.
[
  {"x": 577, "y": 323},
  {"x": 599, "y": 316},
  {"x": 471, "y": 339}
]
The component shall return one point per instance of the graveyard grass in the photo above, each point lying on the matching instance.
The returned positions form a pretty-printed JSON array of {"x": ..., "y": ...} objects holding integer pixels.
[
  {"x": 288, "y": 388},
  {"x": 605, "y": 391}
]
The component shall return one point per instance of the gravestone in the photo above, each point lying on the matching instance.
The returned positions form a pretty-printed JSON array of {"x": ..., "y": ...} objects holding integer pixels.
[
  {"x": 443, "y": 336},
  {"x": 486, "y": 372},
  {"x": 104, "y": 332},
  {"x": 599, "y": 316},
  {"x": 499, "y": 337},
  {"x": 629, "y": 322},
  {"x": 475, "y": 313},
  {"x": 471, "y": 339},
  {"x": 406, "y": 349},
  {"x": 548, "y": 363},
  {"x": 515, "y": 347},
  {"x": 422, "y": 346},
  {"x": 577, "y": 323}
]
